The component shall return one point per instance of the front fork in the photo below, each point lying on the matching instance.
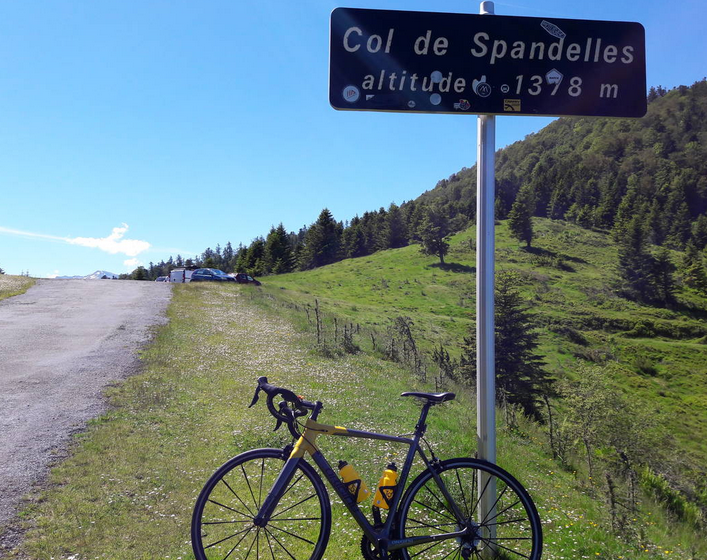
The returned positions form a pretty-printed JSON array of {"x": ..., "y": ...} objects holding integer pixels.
[{"x": 278, "y": 489}]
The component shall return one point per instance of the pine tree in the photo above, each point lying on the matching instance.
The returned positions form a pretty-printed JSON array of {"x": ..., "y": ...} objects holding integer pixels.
[
  {"x": 663, "y": 276},
  {"x": 277, "y": 252},
  {"x": 227, "y": 258},
  {"x": 254, "y": 257},
  {"x": 140, "y": 273},
  {"x": 636, "y": 265},
  {"x": 699, "y": 232},
  {"x": 322, "y": 243},
  {"x": 520, "y": 216},
  {"x": 520, "y": 377},
  {"x": 678, "y": 213},
  {"x": 433, "y": 232},
  {"x": 396, "y": 227},
  {"x": 353, "y": 240},
  {"x": 693, "y": 269},
  {"x": 627, "y": 209}
]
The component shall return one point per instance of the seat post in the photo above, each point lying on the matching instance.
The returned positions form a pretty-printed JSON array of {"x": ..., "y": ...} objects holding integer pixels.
[{"x": 421, "y": 426}]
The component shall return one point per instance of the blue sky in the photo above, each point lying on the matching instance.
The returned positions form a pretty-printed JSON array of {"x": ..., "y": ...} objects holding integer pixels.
[{"x": 135, "y": 130}]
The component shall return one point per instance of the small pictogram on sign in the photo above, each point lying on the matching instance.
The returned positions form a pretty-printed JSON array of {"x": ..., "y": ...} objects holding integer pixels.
[{"x": 511, "y": 105}]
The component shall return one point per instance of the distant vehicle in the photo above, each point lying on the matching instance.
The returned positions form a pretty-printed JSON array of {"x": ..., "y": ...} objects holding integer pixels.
[
  {"x": 180, "y": 275},
  {"x": 243, "y": 278},
  {"x": 211, "y": 275},
  {"x": 162, "y": 279}
]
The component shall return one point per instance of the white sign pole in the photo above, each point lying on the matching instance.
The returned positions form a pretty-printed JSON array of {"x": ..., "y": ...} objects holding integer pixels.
[{"x": 485, "y": 355}]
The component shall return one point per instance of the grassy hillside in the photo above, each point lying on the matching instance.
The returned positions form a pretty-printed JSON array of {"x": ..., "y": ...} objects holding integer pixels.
[
  {"x": 127, "y": 490},
  {"x": 570, "y": 280}
]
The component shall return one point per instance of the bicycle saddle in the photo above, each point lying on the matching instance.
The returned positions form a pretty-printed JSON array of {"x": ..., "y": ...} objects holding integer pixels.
[{"x": 434, "y": 398}]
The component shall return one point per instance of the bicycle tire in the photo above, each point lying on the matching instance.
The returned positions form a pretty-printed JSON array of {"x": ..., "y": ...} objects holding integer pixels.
[
  {"x": 222, "y": 522},
  {"x": 515, "y": 519}
]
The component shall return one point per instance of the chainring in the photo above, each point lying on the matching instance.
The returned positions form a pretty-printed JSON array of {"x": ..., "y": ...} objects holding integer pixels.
[{"x": 369, "y": 551}]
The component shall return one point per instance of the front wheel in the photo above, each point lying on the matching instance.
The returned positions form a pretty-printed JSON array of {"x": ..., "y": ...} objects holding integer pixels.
[
  {"x": 222, "y": 523},
  {"x": 508, "y": 528}
]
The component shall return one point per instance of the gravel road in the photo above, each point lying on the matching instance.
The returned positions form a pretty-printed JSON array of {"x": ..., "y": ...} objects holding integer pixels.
[{"x": 61, "y": 344}]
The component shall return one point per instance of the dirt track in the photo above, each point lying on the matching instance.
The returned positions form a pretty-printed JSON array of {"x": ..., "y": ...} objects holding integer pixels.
[{"x": 61, "y": 343}]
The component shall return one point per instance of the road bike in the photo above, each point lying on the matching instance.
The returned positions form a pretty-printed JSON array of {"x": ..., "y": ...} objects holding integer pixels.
[{"x": 272, "y": 503}]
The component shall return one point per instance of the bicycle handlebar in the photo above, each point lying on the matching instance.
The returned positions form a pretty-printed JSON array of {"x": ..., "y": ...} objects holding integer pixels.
[{"x": 288, "y": 410}]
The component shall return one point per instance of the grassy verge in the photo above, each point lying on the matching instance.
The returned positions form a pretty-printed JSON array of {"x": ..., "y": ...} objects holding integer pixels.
[
  {"x": 14, "y": 285},
  {"x": 128, "y": 488}
]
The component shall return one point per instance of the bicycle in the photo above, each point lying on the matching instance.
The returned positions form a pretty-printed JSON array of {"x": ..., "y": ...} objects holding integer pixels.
[{"x": 272, "y": 504}]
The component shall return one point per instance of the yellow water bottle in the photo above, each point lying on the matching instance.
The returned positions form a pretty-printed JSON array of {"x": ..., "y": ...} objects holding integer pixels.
[
  {"x": 356, "y": 486},
  {"x": 386, "y": 487}
]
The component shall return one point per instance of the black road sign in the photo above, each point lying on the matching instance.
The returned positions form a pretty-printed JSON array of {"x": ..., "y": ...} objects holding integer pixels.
[{"x": 384, "y": 60}]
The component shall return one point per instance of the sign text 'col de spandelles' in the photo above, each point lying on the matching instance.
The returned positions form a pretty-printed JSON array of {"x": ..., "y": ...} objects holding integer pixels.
[{"x": 384, "y": 60}]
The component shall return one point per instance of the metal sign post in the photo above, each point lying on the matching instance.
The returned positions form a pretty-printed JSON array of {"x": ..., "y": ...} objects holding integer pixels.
[{"x": 485, "y": 270}]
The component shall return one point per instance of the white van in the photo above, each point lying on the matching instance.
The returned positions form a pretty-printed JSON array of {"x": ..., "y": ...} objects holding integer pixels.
[{"x": 180, "y": 275}]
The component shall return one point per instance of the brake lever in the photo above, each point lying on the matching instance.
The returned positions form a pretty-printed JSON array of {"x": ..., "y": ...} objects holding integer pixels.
[
  {"x": 256, "y": 396},
  {"x": 285, "y": 411}
]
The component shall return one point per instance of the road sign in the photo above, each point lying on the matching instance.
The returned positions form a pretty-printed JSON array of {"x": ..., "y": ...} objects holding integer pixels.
[{"x": 384, "y": 60}]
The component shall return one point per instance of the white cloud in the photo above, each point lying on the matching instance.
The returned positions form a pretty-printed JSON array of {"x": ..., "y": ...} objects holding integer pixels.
[
  {"x": 132, "y": 263},
  {"x": 113, "y": 243},
  {"x": 54, "y": 274}
]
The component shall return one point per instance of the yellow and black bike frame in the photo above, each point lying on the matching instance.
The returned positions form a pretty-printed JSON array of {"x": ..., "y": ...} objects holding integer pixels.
[{"x": 382, "y": 537}]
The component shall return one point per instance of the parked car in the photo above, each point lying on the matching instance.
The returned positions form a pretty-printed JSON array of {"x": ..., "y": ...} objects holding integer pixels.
[
  {"x": 162, "y": 279},
  {"x": 243, "y": 278},
  {"x": 211, "y": 275}
]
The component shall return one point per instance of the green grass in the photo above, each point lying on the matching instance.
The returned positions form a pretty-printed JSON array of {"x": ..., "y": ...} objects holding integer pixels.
[
  {"x": 569, "y": 278},
  {"x": 14, "y": 285},
  {"x": 127, "y": 490}
]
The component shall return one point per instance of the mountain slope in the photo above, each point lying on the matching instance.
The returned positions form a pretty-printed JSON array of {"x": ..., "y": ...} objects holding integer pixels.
[{"x": 580, "y": 169}]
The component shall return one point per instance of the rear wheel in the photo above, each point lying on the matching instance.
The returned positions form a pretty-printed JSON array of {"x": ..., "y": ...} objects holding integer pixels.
[
  {"x": 510, "y": 530},
  {"x": 222, "y": 522}
]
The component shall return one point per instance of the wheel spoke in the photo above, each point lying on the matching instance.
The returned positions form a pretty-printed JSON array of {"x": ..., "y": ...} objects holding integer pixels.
[
  {"x": 247, "y": 481},
  {"x": 461, "y": 489},
  {"x": 504, "y": 522},
  {"x": 299, "y": 519},
  {"x": 226, "y": 522},
  {"x": 478, "y": 501},
  {"x": 493, "y": 544},
  {"x": 437, "y": 526},
  {"x": 281, "y": 545},
  {"x": 246, "y": 530},
  {"x": 498, "y": 498},
  {"x": 228, "y": 508},
  {"x": 251, "y": 544},
  {"x": 436, "y": 512},
  {"x": 289, "y": 533},
  {"x": 267, "y": 538},
  {"x": 426, "y": 549},
  {"x": 260, "y": 490},
  {"x": 238, "y": 497},
  {"x": 504, "y": 510},
  {"x": 440, "y": 503},
  {"x": 292, "y": 485},
  {"x": 292, "y": 506}
]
